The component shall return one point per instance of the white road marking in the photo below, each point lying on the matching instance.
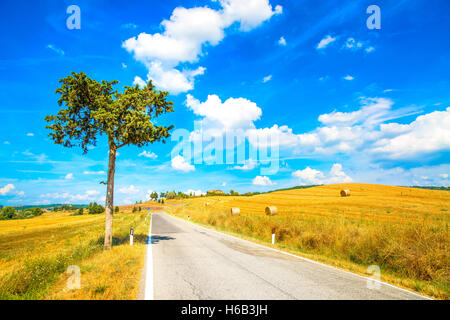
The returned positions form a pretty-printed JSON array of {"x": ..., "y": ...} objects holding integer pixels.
[
  {"x": 148, "y": 295},
  {"x": 301, "y": 258}
]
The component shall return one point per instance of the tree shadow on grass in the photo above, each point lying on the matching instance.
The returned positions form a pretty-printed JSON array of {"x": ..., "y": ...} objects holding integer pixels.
[{"x": 137, "y": 238}]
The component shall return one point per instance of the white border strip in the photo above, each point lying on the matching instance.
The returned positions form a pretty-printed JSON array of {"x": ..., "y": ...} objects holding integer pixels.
[
  {"x": 148, "y": 294},
  {"x": 301, "y": 258}
]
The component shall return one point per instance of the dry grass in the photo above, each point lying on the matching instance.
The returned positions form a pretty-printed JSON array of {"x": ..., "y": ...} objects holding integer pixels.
[
  {"x": 402, "y": 230},
  {"x": 35, "y": 253}
]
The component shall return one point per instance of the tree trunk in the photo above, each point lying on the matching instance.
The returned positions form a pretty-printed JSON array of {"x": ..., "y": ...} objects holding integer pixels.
[{"x": 110, "y": 197}]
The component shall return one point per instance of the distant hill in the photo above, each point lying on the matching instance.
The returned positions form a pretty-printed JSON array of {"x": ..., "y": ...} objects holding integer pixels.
[
  {"x": 294, "y": 188},
  {"x": 432, "y": 188},
  {"x": 48, "y": 206}
]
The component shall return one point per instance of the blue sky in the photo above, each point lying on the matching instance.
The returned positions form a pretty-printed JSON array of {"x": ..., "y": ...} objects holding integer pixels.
[{"x": 348, "y": 103}]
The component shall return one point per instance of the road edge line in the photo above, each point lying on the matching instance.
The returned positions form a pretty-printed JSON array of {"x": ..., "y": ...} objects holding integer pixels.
[
  {"x": 302, "y": 258},
  {"x": 148, "y": 291}
]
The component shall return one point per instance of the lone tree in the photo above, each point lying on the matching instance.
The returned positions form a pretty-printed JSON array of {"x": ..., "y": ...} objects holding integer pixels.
[
  {"x": 154, "y": 196},
  {"x": 92, "y": 109}
]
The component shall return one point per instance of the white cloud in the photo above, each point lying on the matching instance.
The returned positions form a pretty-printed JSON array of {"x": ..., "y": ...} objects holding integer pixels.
[
  {"x": 374, "y": 173},
  {"x": 355, "y": 45},
  {"x": 30, "y": 134},
  {"x": 368, "y": 130},
  {"x": 278, "y": 9},
  {"x": 92, "y": 192},
  {"x": 337, "y": 175},
  {"x": 342, "y": 132},
  {"x": 94, "y": 172},
  {"x": 224, "y": 184},
  {"x": 124, "y": 66},
  {"x": 248, "y": 165},
  {"x": 427, "y": 134},
  {"x": 443, "y": 175},
  {"x": 262, "y": 181},
  {"x": 6, "y": 189},
  {"x": 147, "y": 154},
  {"x": 38, "y": 158},
  {"x": 325, "y": 42},
  {"x": 88, "y": 195},
  {"x": 348, "y": 78},
  {"x": 234, "y": 113},
  {"x": 373, "y": 111},
  {"x": 195, "y": 192},
  {"x": 138, "y": 81},
  {"x": 282, "y": 41},
  {"x": 186, "y": 34},
  {"x": 129, "y": 26},
  {"x": 128, "y": 190},
  {"x": 69, "y": 176},
  {"x": 180, "y": 164},
  {"x": 6, "y": 142},
  {"x": 351, "y": 43},
  {"x": 56, "y": 49},
  {"x": 250, "y": 14},
  {"x": 311, "y": 176},
  {"x": 268, "y": 78},
  {"x": 171, "y": 79}
]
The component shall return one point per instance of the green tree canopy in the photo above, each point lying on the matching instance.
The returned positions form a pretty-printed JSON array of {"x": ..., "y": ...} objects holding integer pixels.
[
  {"x": 94, "y": 208},
  {"x": 91, "y": 109},
  {"x": 8, "y": 212},
  {"x": 95, "y": 108}
]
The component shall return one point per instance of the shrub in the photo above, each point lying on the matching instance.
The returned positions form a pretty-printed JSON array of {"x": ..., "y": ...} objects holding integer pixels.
[
  {"x": 8, "y": 212},
  {"x": 116, "y": 209},
  {"x": 67, "y": 207},
  {"x": 94, "y": 208},
  {"x": 36, "y": 211},
  {"x": 134, "y": 209},
  {"x": 170, "y": 195}
]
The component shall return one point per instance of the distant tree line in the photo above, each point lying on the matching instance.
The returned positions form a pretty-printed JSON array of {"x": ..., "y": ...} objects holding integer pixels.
[
  {"x": 9, "y": 213},
  {"x": 176, "y": 195},
  {"x": 432, "y": 188},
  {"x": 64, "y": 207},
  {"x": 92, "y": 208}
]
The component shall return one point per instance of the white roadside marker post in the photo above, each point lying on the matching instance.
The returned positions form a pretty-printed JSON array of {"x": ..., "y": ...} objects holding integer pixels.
[
  {"x": 131, "y": 236},
  {"x": 273, "y": 236}
]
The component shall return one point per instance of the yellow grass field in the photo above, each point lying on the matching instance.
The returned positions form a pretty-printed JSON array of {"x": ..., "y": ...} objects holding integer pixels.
[
  {"x": 405, "y": 231},
  {"x": 35, "y": 254}
]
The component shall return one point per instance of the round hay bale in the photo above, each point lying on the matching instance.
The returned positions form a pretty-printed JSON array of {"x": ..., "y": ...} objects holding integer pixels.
[
  {"x": 271, "y": 210},
  {"x": 235, "y": 211},
  {"x": 206, "y": 204},
  {"x": 345, "y": 193}
]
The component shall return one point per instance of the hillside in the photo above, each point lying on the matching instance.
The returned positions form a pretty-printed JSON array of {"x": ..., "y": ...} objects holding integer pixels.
[
  {"x": 36, "y": 253},
  {"x": 402, "y": 230}
]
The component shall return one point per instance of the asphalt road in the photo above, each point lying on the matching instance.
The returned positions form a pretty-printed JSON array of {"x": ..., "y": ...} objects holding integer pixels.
[{"x": 186, "y": 261}]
